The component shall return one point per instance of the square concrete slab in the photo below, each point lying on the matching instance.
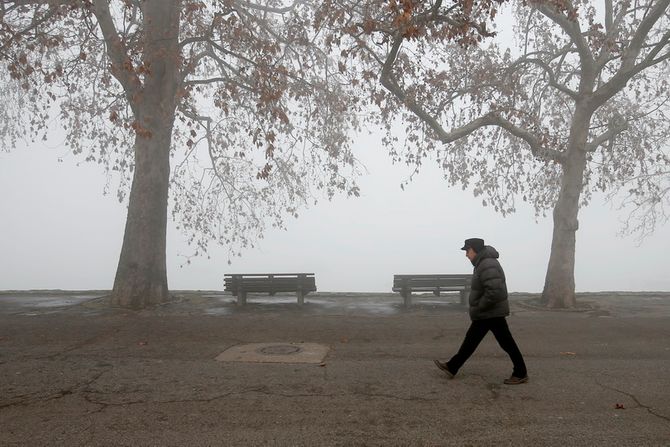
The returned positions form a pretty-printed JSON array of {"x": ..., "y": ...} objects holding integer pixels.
[{"x": 275, "y": 353}]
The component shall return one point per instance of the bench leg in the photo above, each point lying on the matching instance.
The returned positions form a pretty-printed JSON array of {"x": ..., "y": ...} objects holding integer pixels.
[
  {"x": 407, "y": 298},
  {"x": 301, "y": 297},
  {"x": 464, "y": 296},
  {"x": 241, "y": 298}
]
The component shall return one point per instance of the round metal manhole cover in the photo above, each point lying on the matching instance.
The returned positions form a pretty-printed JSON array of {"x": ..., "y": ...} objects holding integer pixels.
[{"x": 279, "y": 350}]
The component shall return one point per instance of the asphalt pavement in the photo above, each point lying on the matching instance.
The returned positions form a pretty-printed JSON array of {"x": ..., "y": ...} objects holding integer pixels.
[{"x": 74, "y": 371}]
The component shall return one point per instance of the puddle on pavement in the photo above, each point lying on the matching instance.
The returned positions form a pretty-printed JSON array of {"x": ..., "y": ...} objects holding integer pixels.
[
  {"x": 363, "y": 307},
  {"x": 47, "y": 301},
  {"x": 219, "y": 304},
  {"x": 217, "y": 311},
  {"x": 227, "y": 305},
  {"x": 329, "y": 304}
]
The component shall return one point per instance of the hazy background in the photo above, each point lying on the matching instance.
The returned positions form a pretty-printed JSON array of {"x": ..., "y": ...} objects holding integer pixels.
[{"x": 58, "y": 230}]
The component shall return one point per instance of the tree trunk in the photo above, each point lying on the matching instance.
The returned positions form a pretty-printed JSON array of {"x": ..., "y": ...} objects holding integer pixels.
[
  {"x": 141, "y": 276},
  {"x": 559, "y": 284}
]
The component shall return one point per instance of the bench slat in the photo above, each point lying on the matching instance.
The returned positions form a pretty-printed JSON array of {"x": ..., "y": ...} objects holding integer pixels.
[
  {"x": 420, "y": 281},
  {"x": 278, "y": 281},
  {"x": 241, "y": 283},
  {"x": 436, "y": 283},
  {"x": 227, "y": 275},
  {"x": 436, "y": 275}
]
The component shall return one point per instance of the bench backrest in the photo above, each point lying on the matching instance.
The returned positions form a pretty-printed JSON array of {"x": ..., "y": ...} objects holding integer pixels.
[
  {"x": 270, "y": 282},
  {"x": 432, "y": 281}
]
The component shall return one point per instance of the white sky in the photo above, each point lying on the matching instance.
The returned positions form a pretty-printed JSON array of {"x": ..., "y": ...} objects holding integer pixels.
[{"x": 59, "y": 231}]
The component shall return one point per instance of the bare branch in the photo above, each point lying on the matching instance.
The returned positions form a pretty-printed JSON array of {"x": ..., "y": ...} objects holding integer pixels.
[
  {"x": 547, "y": 69},
  {"x": 489, "y": 119},
  {"x": 571, "y": 28},
  {"x": 629, "y": 68},
  {"x": 608, "y": 16},
  {"x": 209, "y": 81},
  {"x": 51, "y": 3},
  {"x": 534, "y": 143},
  {"x": 606, "y": 136},
  {"x": 270, "y": 9},
  {"x": 117, "y": 51},
  {"x": 633, "y": 50},
  {"x": 36, "y": 22}
]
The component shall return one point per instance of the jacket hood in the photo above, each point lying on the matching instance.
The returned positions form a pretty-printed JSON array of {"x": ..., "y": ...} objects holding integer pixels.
[{"x": 487, "y": 252}]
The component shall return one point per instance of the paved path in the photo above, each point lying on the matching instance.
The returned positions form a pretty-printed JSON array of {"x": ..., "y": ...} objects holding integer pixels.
[{"x": 73, "y": 372}]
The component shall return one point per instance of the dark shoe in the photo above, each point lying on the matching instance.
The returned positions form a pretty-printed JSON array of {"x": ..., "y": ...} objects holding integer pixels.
[
  {"x": 513, "y": 380},
  {"x": 443, "y": 367}
]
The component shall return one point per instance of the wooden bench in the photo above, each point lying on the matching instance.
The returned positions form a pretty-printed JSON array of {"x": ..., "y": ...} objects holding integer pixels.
[
  {"x": 406, "y": 284},
  {"x": 271, "y": 283}
]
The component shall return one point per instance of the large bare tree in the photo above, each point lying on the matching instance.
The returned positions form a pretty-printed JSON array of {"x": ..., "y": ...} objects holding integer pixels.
[
  {"x": 236, "y": 93},
  {"x": 578, "y": 104}
]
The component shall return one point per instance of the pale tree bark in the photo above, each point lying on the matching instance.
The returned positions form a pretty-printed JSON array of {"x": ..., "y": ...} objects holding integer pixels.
[
  {"x": 559, "y": 285},
  {"x": 141, "y": 277}
]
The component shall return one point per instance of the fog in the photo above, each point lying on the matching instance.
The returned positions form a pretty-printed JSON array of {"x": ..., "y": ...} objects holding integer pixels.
[{"x": 58, "y": 231}]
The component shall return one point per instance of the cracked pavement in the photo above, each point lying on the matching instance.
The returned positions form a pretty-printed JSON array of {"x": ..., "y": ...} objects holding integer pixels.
[{"x": 84, "y": 374}]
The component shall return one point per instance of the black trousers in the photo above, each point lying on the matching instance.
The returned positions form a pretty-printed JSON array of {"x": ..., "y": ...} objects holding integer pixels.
[{"x": 476, "y": 333}]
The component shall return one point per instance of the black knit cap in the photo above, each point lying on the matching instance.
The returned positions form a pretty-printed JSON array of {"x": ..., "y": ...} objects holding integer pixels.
[{"x": 475, "y": 243}]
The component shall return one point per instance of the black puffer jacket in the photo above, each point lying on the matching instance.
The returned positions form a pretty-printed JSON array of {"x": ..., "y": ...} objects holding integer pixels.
[{"x": 488, "y": 295}]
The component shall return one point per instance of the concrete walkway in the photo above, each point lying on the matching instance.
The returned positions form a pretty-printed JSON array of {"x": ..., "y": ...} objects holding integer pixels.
[{"x": 74, "y": 372}]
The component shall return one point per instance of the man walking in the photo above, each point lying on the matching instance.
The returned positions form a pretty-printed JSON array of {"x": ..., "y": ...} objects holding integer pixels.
[{"x": 488, "y": 309}]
